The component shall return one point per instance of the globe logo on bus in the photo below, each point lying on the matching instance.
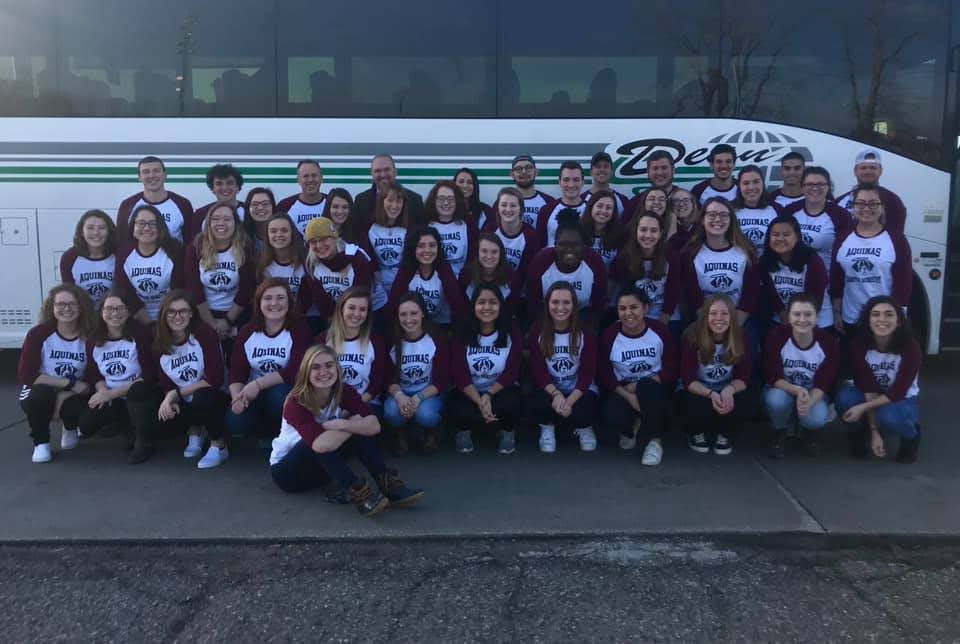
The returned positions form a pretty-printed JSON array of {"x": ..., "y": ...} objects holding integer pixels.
[
  {"x": 219, "y": 279},
  {"x": 483, "y": 365},
  {"x": 65, "y": 370},
  {"x": 115, "y": 369},
  {"x": 721, "y": 281},
  {"x": 413, "y": 373},
  {"x": 862, "y": 265},
  {"x": 269, "y": 366},
  {"x": 188, "y": 374},
  {"x": 147, "y": 285}
]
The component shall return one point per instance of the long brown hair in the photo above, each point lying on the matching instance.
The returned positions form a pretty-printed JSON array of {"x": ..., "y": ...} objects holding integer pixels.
[
  {"x": 308, "y": 396},
  {"x": 80, "y": 244},
  {"x": 100, "y": 334},
  {"x": 547, "y": 332},
  {"x": 613, "y": 232},
  {"x": 163, "y": 338},
  {"x": 430, "y": 205},
  {"x": 699, "y": 336},
  {"x": 501, "y": 274},
  {"x": 380, "y": 212},
  {"x": 165, "y": 240},
  {"x": 633, "y": 254},
  {"x": 734, "y": 235},
  {"x": 399, "y": 335},
  {"x": 298, "y": 253},
  {"x": 293, "y": 315},
  {"x": 337, "y": 333},
  {"x": 86, "y": 319},
  {"x": 207, "y": 247}
]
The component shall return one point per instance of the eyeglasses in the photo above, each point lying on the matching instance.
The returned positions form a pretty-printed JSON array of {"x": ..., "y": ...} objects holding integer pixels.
[
  {"x": 867, "y": 205},
  {"x": 716, "y": 215},
  {"x": 114, "y": 309},
  {"x": 523, "y": 168},
  {"x": 682, "y": 202},
  {"x": 179, "y": 313},
  {"x": 61, "y": 306},
  {"x": 146, "y": 224},
  {"x": 260, "y": 204},
  {"x": 819, "y": 185}
]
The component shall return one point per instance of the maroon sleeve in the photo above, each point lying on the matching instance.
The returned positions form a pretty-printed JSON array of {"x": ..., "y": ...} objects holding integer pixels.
[
  {"x": 862, "y": 373},
  {"x": 769, "y": 297},
  {"x": 352, "y": 403},
  {"x": 302, "y": 420},
  {"x": 66, "y": 266},
  {"x": 321, "y": 299},
  {"x": 772, "y": 364},
  {"x": 673, "y": 288},
  {"x": 894, "y": 212},
  {"x": 826, "y": 375},
  {"x": 598, "y": 295},
  {"x": 493, "y": 220},
  {"x": 668, "y": 364},
  {"x": 816, "y": 281},
  {"x": 697, "y": 190},
  {"x": 186, "y": 208},
  {"x": 122, "y": 281},
  {"x": 198, "y": 216},
  {"x": 28, "y": 368},
  {"x": 689, "y": 360},
  {"x": 284, "y": 204},
  {"x": 401, "y": 284},
  {"x": 909, "y": 368},
  {"x": 605, "y": 374},
  {"x": 538, "y": 363},
  {"x": 458, "y": 364},
  {"x": 472, "y": 233},
  {"x": 440, "y": 369},
  {"x": 743, "y": 370},
  {"x": 303, "y": 296},
  {"x": 691, "y": 285},
  {"x": 511, "y": 370},
  {"x": 515, "y": 282},
  {"x": 191, "y": 274},
  {"x": 148, "y": 364},
  {"x": 92, "y": 374},
  {"x": 123, "y": 217},
  {"x": 177, "y": 281},
  {"x": 901, "y": 270},
  {"x": 239, "y": 367},
  {"x": 836, "y": 271},
  {"x": 378, "y": 370},
  {"x": 534, "y": 289},
  {"x": 212, "y": 355},
  {"x": 302, "y": 339},
  {"x": 451, "y": 290},
  {"x": 465, "y": 279},
  {"x": 542, "y": 218},
  {"x": 751, "y": 288},
  {"x": 530, "y": 248},
  {"x": 363, "y": 273},
  {"x": 588, "y": 362},
  {"x": 163, "y": 380},
  {"x": 248, "y": 283},
  {"x": 842, "y": 221}
]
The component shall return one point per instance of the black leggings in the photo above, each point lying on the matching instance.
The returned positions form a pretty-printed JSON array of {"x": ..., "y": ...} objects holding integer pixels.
[
  {"x": 701, "y": 418},
  {"x": 207, "y": 409},
  {"x": 584, "y": 413},
  {"x": 139, "y": 407},
  {"x": 38, "y": 403},
  {"x": 618, "y": 415},
  {"x": 303, "y": 469},
  {"x": 463, "y": 414}
]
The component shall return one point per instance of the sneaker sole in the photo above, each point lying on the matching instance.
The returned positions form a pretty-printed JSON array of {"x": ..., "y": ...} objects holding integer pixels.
[
  {"x": 201, "y": 466},
  {"x": 378, "y": 508},
  {"x": 700, "y": 450},
  {"x": 588, "y": 448},
  {"x": 506, "y": 452},
  {"x": 722, "y": 452},
  {"x": 410, "y": 500},
  {"x": 547, "y": 450}
]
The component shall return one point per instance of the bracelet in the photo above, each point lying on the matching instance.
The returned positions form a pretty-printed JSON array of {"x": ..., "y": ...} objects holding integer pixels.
[
  {"x": 418, "y": 396},
  {"x": 556, "y": 393}
]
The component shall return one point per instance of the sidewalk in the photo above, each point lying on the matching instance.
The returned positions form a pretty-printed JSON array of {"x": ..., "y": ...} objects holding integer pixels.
[{"x": 91, "y": 493}]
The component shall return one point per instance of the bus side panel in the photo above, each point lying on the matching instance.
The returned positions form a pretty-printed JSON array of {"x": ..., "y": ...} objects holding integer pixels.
[{"x": 20, "y": 281}]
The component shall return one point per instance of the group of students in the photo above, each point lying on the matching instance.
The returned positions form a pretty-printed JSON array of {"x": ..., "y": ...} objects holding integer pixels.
[{"x": 322, "y": 316}]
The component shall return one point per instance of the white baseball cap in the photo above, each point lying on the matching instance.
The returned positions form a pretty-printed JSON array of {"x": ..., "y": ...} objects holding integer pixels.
[{"x": 868, "y": 156}]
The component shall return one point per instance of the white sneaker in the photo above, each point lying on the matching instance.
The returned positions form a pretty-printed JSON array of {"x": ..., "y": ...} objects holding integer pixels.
[
  {"x": 69, "y": 438},
  {"x": 548, "y": 439},
  {"x": 214, "y": 457},
  {"x": 588, "y": 440},
  {"x": 194, "y": 446},
  {"x": 653, "y": 453},
  {"x": 42, "y": 453},
  {"x": 630, "y": 441}
]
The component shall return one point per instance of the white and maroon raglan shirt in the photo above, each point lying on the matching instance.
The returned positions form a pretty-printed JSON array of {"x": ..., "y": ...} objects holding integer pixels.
[
  {"x": 301, "y": 424},
  {"x": 425, "y": 361},
  {"x": 330, "y": 278},
  {"x": 864, "y": 267},
  {"x": 47, "y": 352},
  {"x": 197, "y": 358},
  {"x": 811, "y": 367},
  {"x": 302, "y": 212},
  {"x": 440, "y": 291},
  {"x": 783, "y": 283},
  {"x": 223, "y": 284},
  {"x": 482, "y": 363},
  {"x": 896, "y": 375},
  {"x": 705, "y": 190},
  {"x": 457, "y": 239},
  {"x": 754, "y": 223},
  {"x": 148, "y": 277},
  {"x": 715, "y": 374},
  {"x": 292, "y": 274},
  {"x": 520, "y": 248},
  {"x": 177, "y": 213},
  {"x": 727, "y": 271},
  {"x": 894, "y": 212},
  {"x": 565, "y": 369},
  {"x": 363, "y": 368},
  {"x": 119, "y": 362},
  {"x": 95, "y": 276},
  {"x": 783, "y": 200},
  {"x": 532, "y": 207},
  {"x": 621, "y": 202},
  {"x": 547, "y": 220},
  {"x": 256, "y": 354},
  {"x": 386, "y": 243},
  {"x": 589, "y": 280},
  {"x": 624, "y": 358}
]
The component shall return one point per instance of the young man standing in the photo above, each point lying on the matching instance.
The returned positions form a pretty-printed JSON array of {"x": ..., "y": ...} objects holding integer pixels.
[
  {"x": 177, "y": 210},
  {"x": 524, "y": 171},
  {"x": 383, "y": 171},
  {"x": 601, "y": 171},
  {"x": 867, "y": 169},
  {"x": 309, "y": 203},
  {"x": 224, "y": 182},
  {"x": 792, "y": 166},
  {"x": 723, "y": 160},
  {"x": 660, "y": 169},
  {"x": 571, "y": 182}
]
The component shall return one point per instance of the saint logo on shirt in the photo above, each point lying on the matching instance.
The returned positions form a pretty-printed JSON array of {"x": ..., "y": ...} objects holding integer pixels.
[
  {"x": 389, "y": 255},
  {"x": 269, "y": 366},
  {"x": 716, "y": 372},
  {"x": 563, "y": 364},
  {"x": 349, "y": 373},
  {"x": 188, "y": 374},
  {"x": 721, "y": 281},
  {"x": 97, "y": 289},
  {"x": 639, "y": 367},
  {"x": 413, "y": 373},
  {"x": 807, "y": 238},
  {"x": 65, "y": 370},
  {"x": 483, "y": 365},
  {"x": 220, "y": 279},
  {"x": 147, "y": 285},
  {"x": 115, "y": 369},
  {"x": 862, "y": 265}
]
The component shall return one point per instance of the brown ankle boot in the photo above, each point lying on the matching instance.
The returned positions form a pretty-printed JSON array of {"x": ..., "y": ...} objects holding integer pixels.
[{"x": 368, "y": 499}]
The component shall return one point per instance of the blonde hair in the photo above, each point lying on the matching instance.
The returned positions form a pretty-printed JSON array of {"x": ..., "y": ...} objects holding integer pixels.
[
  {"x": 337, "y": 333},
  {"x": 207, "y": 247},
  {"x": 699, "y": 336},
  {"x": 306, "y": 394}
]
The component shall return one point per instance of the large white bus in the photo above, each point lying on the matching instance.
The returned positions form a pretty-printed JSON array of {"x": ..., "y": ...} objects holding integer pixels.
[{"x": 87, "y": 87}]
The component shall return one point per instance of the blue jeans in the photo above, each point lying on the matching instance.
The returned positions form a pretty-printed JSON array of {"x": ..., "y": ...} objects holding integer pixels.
[
  {"x": 428, "y": 415},
  {"x": 901, "y": 417},
  {"x": 782, "y": 410},
  {"x": 262, "y": 418}
]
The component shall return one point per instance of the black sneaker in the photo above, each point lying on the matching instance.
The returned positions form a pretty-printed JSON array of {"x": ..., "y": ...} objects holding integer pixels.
[
  {"x": 808, "y": 443},
  {"x": 858, "y": 438},
  {"x": 699, "y": 444},
  {"x": 368, "y": 499},
  {"x": 337, "y": 495},
  {"x": 909, "y": 447},
  {"x": 777, "y": 447},
  {"x": 142, "y": 451},
  {"x": 722, "y": 445},
  {"x": 398, "y": 493}
]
